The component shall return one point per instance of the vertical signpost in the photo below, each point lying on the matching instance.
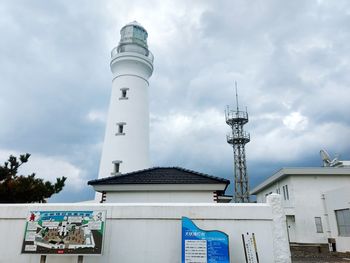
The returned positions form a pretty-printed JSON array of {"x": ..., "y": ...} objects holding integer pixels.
[
  {"x": 200, "y": 246},
  {"x": 250, "y": 248}
]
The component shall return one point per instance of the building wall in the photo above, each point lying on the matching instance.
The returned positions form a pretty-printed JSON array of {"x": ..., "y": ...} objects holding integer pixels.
[
  {"x": 131, "y": 71},
  {"x": 288, "y": 202},
  {"x": 309, "y": 204},
  {"x": 305, "y": 203},
  {"x": 160, "y": 197},
  {"x": 336, "y": 200},
  {"x": 278, "y": 189},
  {"x": 152, "y": 232}
]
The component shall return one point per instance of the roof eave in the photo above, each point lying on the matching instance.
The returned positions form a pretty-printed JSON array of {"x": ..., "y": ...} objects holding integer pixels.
[
  {"x": 287, "y": 171},
  {"x": 159, "y": 187}
]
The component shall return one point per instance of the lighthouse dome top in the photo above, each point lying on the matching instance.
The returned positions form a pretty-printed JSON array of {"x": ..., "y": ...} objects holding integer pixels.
[
  {"x": 134, "y": 23},
  {"x": 133, "y": 38}
]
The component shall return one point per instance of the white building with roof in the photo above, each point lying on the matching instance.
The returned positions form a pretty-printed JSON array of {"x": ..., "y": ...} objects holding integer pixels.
[
  {"x": 316, "y": 202},
  {"x": 162, "y": 185}
]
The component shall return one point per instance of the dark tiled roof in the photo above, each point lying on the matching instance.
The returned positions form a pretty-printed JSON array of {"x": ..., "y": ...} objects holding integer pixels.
[{"x": 161, "y": 175}]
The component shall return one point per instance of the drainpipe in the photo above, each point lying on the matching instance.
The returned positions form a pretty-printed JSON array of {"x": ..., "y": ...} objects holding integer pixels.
[{"x": 325, "y": 213}]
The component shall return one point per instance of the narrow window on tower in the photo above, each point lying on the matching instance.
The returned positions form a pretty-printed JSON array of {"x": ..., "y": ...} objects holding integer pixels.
[
  {"x": 120, "y": 128},
  {"x": 124, "y": 93},
  {"x": 116, "y": 167}
]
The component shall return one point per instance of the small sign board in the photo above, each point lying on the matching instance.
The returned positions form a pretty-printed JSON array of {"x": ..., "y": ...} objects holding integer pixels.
[
  {"x": 250, "y": 248},
  {"x": 64, "y": 232},
  {"x": 200, "y": 246}
]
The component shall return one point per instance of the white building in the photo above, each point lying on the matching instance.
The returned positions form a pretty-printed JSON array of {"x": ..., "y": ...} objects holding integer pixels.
[
  {"x": 161, "y": 185},
  {"x": 316, "y": 202}
]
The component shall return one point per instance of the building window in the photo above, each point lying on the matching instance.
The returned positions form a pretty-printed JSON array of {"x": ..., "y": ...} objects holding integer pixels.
[
  {"x": 278, "y": 191},
  {"x": 343, "y": 222},
  {"x": 116, "y": 167},
  {"x": 123, "y": 95},
  {"x": 318, "y": 222},
  {"x": 120, "y": 127},
  {"x": 103, "y": 197},
  {"x": 285, "y": 192}
]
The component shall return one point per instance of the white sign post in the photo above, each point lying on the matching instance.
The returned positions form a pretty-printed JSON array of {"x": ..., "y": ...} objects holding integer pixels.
[{"x": 250, "y": 248}]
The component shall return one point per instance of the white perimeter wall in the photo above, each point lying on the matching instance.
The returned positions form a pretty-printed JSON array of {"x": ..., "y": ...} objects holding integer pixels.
[{"x": 152, "y": 232}]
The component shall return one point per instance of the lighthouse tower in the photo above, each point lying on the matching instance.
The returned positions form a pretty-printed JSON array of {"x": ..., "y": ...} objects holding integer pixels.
[{"x": 126, "y": 143}]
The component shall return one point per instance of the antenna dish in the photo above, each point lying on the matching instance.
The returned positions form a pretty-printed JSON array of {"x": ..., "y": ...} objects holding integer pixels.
[
  {"x": 327, "y": 161},
  {"x": 325, "y": 157}
]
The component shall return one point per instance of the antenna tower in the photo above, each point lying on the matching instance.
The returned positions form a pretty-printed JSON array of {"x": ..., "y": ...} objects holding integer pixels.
[{"x": 238, "y": 138}]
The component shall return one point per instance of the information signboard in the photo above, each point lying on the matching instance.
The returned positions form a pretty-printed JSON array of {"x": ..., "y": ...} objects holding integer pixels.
[
  {"x": 250, "y": 248},
  {"x": 200, "y": 246},
  {"x": 64, "y": 232}
]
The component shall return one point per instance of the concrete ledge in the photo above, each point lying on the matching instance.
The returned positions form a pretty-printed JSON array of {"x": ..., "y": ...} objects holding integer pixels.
[{"x": 151, "y": 210}]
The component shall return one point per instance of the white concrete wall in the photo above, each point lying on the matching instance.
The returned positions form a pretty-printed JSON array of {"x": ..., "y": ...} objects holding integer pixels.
[
  {"x": 161, "y": 197},
  {"x": 305, "y": 194},
  {"x": 137, "y": 233},
  {"x": 336, "y": 200},
  {"x": 130, "y": 70}
]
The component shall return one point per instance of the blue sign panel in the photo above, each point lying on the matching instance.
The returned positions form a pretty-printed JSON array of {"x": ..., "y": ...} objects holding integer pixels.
[{"x": 200, "y": 246}]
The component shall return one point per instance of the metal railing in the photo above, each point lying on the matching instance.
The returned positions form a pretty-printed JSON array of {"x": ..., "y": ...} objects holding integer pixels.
[
  {"x": 236, "y": 117},
  {"x": 243, "y": 137},
  {"x": 117, "y": 50}
]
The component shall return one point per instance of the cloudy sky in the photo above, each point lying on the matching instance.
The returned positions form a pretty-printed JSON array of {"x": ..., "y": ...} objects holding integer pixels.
[{"x": 291, "y": 60}]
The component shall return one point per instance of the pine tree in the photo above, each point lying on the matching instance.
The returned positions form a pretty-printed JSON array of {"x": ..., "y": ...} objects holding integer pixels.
[{"x": 16, "y": 188}]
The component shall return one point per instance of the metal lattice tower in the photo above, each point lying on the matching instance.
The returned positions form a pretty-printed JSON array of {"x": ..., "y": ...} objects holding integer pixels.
[{"x": 238, "y": 138}]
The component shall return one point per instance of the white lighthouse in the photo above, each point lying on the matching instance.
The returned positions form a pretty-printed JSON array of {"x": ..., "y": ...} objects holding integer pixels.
[{"x": 126, "y": 143}]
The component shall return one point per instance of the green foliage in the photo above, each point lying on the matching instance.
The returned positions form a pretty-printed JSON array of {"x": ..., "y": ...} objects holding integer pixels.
[{"x": 25, "y": 189}]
